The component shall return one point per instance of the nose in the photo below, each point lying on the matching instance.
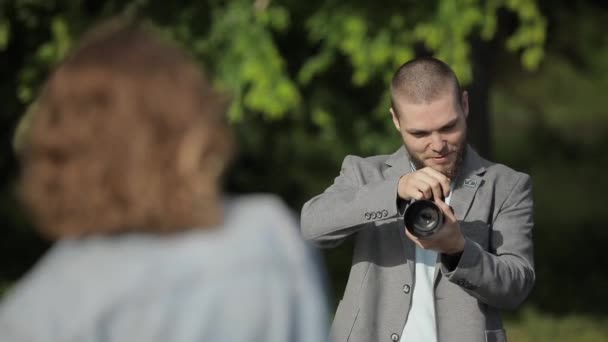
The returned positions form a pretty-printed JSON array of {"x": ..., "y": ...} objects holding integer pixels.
[{"x": 437, "y": 143}]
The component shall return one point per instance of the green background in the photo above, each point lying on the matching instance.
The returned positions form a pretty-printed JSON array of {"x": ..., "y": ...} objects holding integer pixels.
[{"x": 308, "y": 83}]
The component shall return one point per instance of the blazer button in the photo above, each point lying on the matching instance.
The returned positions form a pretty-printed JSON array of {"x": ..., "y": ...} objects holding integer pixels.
[
  {"x": 406, "y": 288},
  {"x": 394, "y": 337},
  {"x": 384, "y": 213},
  {"x": 367, "y": 216},
  {"x": 373, "y": 215}
]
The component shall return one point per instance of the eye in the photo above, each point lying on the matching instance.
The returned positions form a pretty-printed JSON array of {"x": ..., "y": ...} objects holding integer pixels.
[
  {"x": 419, "y": 134},
  {"x": 448, "y": 128}
]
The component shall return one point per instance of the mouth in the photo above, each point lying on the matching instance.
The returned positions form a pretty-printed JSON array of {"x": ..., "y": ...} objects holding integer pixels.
[{"x": 443, "y": 159}]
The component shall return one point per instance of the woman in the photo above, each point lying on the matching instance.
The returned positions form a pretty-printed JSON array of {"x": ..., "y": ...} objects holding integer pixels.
[{"x": 121, "y": 165}]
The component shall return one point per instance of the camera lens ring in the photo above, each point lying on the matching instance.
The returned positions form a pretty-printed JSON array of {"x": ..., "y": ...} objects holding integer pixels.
[{"x": 423, "y": 218}]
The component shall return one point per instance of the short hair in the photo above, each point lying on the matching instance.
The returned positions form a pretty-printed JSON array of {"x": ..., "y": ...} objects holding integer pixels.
[
  {"x": 424, "y": 79},
  {"x": 127, "y": 135}
]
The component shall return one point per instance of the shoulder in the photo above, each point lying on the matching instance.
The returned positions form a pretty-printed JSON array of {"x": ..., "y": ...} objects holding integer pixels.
[
  {"x": 366, "y": 167},
  {"x": 264, "y": 224},
  {"x": 261, "y": 204},
  {"x": 505, "y": 180},
  {"x": 370, "y": 161},
  {"x": 258, "y": 212},
  {"x": 504, "y": 174}
]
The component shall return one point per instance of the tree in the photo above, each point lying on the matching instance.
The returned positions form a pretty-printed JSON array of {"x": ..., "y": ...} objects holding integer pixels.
[
  {"x": 308, "y": 80},
  {"x": 270, "y": 55}
]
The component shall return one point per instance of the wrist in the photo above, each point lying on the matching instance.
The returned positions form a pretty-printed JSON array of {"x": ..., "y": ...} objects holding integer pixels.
[
  {"x": 458, "y": 248},
  {"x": 451, "y": 260}
]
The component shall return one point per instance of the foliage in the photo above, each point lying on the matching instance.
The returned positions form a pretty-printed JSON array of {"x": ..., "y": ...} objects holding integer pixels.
[
  {"x": 553, "y": 124},
  {"x": 308, "y": 83},
  {"x": 249, "y": 44},
  {"x": 302, "y": 76},
  {"x": 555, "y": 116}
]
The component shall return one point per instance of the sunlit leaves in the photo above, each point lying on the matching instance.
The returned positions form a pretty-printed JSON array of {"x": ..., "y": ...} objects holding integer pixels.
[
  {"x": 240, "y": 42},
  {"x": 376, "y": 43},
  {"x": 248, "y": 64},
  {"x": 47, "y": 54},
  {"x": 57, "y": 48},
  {"x": 530, "y": 36},
  {"x": 247, "y": 47},
  {"x": 5, "y": 33}
]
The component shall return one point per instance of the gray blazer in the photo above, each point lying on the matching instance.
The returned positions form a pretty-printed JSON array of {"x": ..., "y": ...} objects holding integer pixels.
[{"x": 493, "y": 204}]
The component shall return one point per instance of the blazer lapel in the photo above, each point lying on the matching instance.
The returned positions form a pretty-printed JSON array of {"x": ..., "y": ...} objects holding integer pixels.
[
  {"x": 465, "y": 187},
  {"x": 467, "y": 183}
]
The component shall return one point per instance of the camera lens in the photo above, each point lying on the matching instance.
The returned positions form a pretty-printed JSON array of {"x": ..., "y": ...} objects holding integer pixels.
[{"x": 423, "y": 218}]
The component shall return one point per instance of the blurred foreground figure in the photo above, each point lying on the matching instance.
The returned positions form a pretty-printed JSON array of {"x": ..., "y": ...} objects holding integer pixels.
[{"x": 122, "y": 165}]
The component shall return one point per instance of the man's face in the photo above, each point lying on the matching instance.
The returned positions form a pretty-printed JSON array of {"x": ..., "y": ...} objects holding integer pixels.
[{"x": 434, "y": 133}]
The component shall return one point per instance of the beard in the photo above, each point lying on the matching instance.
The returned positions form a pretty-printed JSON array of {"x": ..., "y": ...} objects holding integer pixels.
[{"x": 451, "y": 171}]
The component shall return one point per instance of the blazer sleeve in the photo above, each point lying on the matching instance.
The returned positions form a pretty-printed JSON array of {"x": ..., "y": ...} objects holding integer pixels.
[
  {"x": 348, "y": 205},
  {"x": 504, "y": 276}
]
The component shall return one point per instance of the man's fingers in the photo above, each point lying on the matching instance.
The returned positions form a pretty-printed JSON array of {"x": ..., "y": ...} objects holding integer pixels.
[
  {"x": 419, "y": 185},
  {"x": 439, "y": 177},
  {"x": 425, "y": 183},
  {"x": 410, "y": 236},
  {"x": 447, "y": 210},
  {"x": 411, "y": 187},
  {"x": 434, "y": 185},
  {"x": 414, "y": 239}
]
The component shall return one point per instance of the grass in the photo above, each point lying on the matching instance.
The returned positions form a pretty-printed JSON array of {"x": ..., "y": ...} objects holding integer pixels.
[{"x": 534, "y": 326}]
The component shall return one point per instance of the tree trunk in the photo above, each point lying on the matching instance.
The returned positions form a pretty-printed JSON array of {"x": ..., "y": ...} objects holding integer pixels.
[{"x": 479, "y": 120}]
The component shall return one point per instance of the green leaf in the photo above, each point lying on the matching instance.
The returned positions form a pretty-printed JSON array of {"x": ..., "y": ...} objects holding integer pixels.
[{"x": 5, "y": 33}]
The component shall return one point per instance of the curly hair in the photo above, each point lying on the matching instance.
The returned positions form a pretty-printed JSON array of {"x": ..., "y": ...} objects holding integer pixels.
[{"x": 127, "y": 135}]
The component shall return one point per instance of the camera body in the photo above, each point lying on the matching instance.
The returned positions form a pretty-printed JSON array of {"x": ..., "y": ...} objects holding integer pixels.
[{"x": 423, "y": 218}]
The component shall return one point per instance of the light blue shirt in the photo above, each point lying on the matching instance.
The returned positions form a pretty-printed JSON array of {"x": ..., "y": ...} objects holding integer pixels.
[{"x": 251, "y": 280}]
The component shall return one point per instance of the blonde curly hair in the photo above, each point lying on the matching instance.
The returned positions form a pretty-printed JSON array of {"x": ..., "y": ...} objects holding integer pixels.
[{"x": 127, "y": 135}]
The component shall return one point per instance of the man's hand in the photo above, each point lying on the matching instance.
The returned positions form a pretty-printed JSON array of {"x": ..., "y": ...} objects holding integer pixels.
[
  {"x": 425, "y": 183},
  {"x": 448, "y": 239}
]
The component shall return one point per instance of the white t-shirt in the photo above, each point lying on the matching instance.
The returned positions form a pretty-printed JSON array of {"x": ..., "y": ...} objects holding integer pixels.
[{"x": 421, "y": 324}]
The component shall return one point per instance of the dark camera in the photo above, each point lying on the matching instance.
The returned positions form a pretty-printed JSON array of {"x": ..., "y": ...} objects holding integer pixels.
[{"x": 423, "y": 218}]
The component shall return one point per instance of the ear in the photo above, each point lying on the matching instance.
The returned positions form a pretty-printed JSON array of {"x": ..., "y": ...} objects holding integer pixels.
[
  {"x": 465, "y": 103},
  {"x": 395, "y": 119}
]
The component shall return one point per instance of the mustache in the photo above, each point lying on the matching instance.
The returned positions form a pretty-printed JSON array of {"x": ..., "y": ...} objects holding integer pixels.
[{"x": 452, "y": 171}]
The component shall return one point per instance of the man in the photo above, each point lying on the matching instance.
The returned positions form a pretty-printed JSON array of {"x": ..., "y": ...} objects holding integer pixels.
[{"x": 449, "y": 286}]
